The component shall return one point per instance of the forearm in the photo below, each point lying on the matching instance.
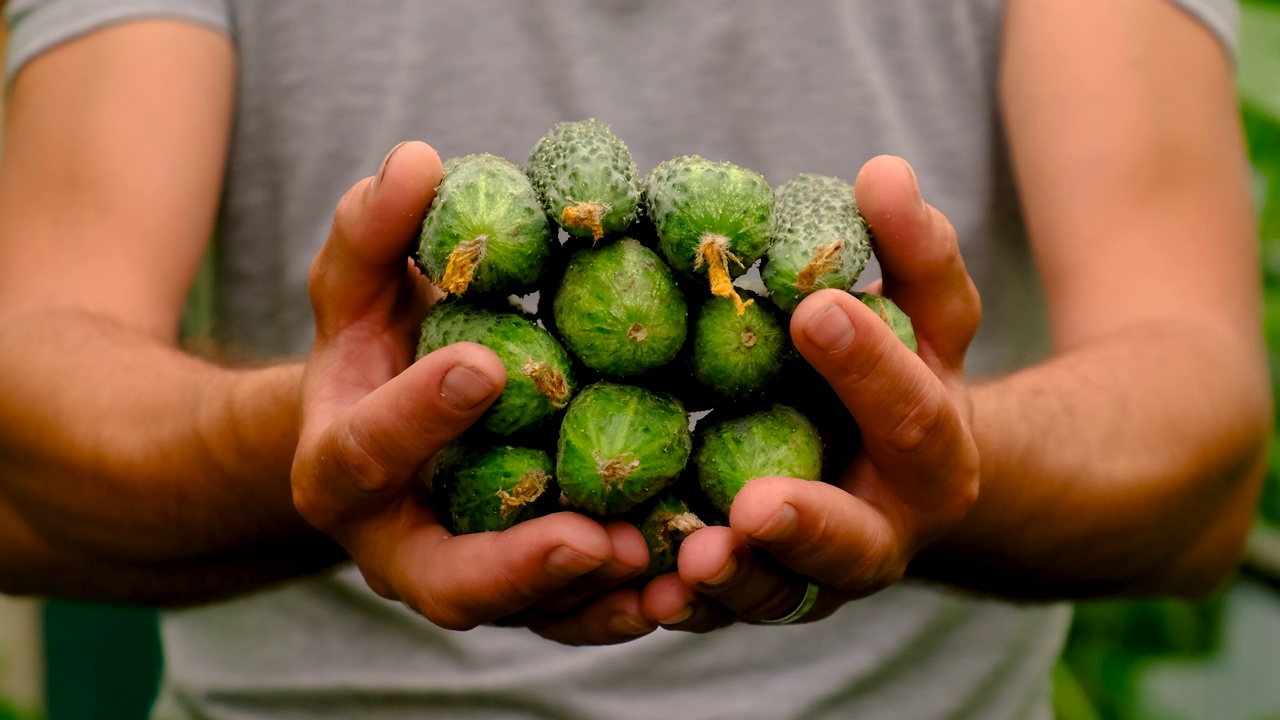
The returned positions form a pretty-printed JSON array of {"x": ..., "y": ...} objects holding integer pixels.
[
  {"x": 1129, "y": 465},
  {"x": 123, "y": 451},
  {"x": 30, "y": 565}
]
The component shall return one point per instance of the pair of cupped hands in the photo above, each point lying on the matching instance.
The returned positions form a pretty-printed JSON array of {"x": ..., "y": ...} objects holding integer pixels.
[{"x": 373, "y": 418}]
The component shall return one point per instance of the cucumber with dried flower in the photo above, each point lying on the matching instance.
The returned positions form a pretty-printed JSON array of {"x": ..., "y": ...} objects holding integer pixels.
[
  {"x": 585, "y": 178},
  {"x": 539, "y": 379},
  {"x": 666, "y": 522},
  {"x": 485, "y": 232},
  {"x": 820, "y": 239},
  {"x": 620, "y": 445},
  {"x": 712, "y": 219},
  {"x": 481, "y": 488}
]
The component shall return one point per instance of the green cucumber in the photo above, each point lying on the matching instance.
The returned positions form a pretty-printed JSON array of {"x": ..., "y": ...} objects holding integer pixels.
[
  {"x": 893, "y": 316},
  {"x": 479, "y": 489},
  {"x": 666, "y": 522},
  {"x": 738, "y": 355},
  {"x": 820, "y": 240},
  {"x": 585, "y": 178},
  {"x": 539, "y": 381},
  {"x": 777, "y": 441},
  {"x": 620, "y": 445},
  {"x": 485, "y": 232},
  {"x": 618, "y": 309},
  {"x": 711, "y": 218}
]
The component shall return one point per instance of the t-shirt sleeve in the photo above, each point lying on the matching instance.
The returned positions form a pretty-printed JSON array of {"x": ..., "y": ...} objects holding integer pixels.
[
  {"x": 37, "y": 25},
  {"x": 1221, "y": 17}
]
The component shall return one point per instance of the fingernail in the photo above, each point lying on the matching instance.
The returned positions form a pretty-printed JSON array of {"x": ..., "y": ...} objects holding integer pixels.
[
  {"x": 725, "y": 575},
  {"x": 624, "y": 624},
  {"x": 465, "y": 387},
  {"x": 831, "y": 329},
  {"x": 778, "y": 526},
  {"x": 565, "y": 562},
  {"x": 382, "y": 169},
  {"x": 684, "y": 613}
]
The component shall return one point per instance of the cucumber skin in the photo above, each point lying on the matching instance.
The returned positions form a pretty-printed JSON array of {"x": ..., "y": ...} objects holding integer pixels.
[
  {"x": 607, "y": 291},
  {"x": 893, "y": 316},
  {"x": 664, "y": 542},
  {"x": 486, "y": 195},
  {"x": 810, "y": 212},
  {"x": 581, "y": 162},
  {"x": 466, "y": 488},
  {"x": 777, "y": 441},
  {"x": 721, "y": 360},
  {"x": 606, "y": 421},
  {"x": 515, "y": 340},
  {"x": 689, "y": 196}
]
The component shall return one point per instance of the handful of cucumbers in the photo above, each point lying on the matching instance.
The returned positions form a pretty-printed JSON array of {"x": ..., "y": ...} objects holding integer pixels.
[{"x": 638, "y": 322}]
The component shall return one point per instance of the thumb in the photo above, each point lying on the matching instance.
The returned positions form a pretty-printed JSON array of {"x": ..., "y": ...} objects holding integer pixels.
[{"x": 361, "y": 268}]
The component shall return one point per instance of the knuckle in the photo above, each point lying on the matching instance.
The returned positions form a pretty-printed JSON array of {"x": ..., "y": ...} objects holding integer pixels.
[
  {"x": 442, "y": 613},
  {"x": 877, "y": 567},
  {"x": 923, "y": 420},
  {"x": 309, "y": 505},
  {"x": 858, "y": 365},
  {"x": 355, "y": 465},
  {"x": 966, "y": 488},
  {"x": 514, "y": 590}
]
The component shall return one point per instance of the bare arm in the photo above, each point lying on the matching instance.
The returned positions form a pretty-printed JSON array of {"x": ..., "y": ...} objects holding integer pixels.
[
  {"x": 124, "y": 456},
  {"x": 1129, "y": 461},
  {"x": 135, "y": 472}
]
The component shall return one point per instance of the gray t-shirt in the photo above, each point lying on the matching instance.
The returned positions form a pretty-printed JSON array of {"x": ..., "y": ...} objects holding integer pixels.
[{"x": 327, "y": 87}]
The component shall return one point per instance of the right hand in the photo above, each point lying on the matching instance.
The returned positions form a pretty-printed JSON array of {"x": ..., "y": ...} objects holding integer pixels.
[{"x": 373, "y": 418}]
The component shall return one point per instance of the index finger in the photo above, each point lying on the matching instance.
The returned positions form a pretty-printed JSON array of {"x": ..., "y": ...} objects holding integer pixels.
[{"x": 919, "y": 255}]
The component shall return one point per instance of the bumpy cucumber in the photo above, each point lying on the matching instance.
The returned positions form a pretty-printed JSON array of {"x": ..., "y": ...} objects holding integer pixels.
[
  {"x": 618, "y": 309},
  {"x": 486, "y": 232},
  {"x": 820, "y": 240},
  {"x": 539, "y": 381},
  {"x": 738, "y": 355},
  {"x": 665, "y": 524},
  {"x": 620, "y": 445},
  {"x": 711, "y": 218},
  {"x": 893, "y": 316},
  {"x": 777, "y": 441},
  {"x": 586, "y": 179},
  {"x": 478, "y": 488}
]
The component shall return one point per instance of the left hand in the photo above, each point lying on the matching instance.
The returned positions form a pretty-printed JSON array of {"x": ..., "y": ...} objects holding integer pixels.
[{"x": 918, "y": 472}]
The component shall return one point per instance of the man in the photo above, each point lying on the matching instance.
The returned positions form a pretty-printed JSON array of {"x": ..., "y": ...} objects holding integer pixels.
[{"x": 1126, "y": 460}]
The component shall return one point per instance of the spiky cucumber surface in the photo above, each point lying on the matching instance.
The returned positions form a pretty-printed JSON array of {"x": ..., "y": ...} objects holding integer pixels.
[{"x": 585, "y": 178}]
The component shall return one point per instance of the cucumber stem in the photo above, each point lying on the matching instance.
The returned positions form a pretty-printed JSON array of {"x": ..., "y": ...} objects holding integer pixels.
[
  {"x": 617, "y": 469},
  {"x": 673, "y": 525},
  {"x": 825, "y": 259},
  {"x": 547, "y": 380},
  {"x": 713, "y": 251},
  {"x": 530, "y": 488},
  {"x": 463, "y": 261},
  {"x": 588, "y": 215}
]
